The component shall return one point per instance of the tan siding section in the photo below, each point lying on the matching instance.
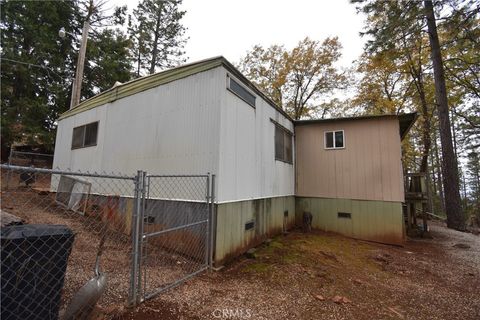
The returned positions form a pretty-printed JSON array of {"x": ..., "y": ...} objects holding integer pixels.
[{"x": 368, "y": 168}]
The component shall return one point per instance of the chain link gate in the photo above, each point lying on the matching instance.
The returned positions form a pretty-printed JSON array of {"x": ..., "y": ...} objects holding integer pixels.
[{"x": 174, "y": 231}]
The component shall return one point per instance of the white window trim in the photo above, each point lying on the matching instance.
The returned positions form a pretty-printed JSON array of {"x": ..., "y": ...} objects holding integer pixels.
[
  {"x": 334, "y": 147},
  {"x": 244, "y": 87}
]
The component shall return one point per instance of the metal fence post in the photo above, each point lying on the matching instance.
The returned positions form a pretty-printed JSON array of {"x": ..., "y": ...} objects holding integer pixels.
[
  {"x": 207, "y": 233},
  {"x": 136, "y": 239},
  {"x": 141, "y": 220},
  {"x": 212, "y": 221}
]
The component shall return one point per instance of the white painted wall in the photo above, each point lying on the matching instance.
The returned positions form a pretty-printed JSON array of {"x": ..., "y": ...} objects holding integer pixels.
[
  {"x": 189, "y": 126},
  {"x": 247, "y": 166}
]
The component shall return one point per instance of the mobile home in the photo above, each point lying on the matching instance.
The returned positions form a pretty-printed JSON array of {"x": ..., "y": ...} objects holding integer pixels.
[
  {"x": 198, "y": 118},
  {"x": 207, "y": 117}
]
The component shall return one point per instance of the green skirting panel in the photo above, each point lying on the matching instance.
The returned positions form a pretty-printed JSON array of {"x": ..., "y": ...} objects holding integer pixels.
[
  {"x": 380, "y": 221},
  {"x": 242, "y": 225}
]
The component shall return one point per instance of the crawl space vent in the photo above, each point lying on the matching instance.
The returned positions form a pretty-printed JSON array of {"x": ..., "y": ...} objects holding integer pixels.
[
  {"x": 345, "y": 215},
  {"x": 249, "y": 225}
]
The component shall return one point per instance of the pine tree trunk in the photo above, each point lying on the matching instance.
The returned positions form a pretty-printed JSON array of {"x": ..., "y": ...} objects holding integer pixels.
[
  {"x": 453, "y": 204},
  {"x": 454, "y": 133},
  {"x": 427, "y": 142},
  {"x": 433, "y": 175},
  {"x": 155, "y": 41},
  {"x": 138, "y": 63},
  {"x": 439, "y": 175}
]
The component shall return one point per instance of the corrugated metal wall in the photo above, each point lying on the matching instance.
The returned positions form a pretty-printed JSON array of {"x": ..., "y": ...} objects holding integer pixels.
[
  {"x": 247, "y": 166},
  {"x": 173, "y": 128},
  {"x": 269, "y": 219},
  {"x": 190, "y": 126},
  {"x": 380, "y": 221}
]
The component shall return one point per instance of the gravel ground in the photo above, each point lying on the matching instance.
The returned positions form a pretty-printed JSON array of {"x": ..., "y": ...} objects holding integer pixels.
[
  {"x": 326, "y": 276},
  {"x": 34, "y": 208},
  {"x": 452, "y": 242},
  {"x": 162, "y": 268}
]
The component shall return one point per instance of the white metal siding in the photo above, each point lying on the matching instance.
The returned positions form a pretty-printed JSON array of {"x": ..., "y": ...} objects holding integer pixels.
[
  {"x": 247, "y": 166},
  {"x": 190, "y": 126},
  {"x": 172, "y": 128}
]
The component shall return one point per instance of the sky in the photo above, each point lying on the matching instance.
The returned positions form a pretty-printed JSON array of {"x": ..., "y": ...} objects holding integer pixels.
[{"x": 231, "y": 28}]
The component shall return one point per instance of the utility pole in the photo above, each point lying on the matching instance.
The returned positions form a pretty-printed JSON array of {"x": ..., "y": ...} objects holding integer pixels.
[{"x": 77, "y": 82}]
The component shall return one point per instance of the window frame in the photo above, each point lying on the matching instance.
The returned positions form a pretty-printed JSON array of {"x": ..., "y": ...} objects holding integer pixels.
[
  {"x": 84, "y": 135},
  {"x": 239, "y": 83},
  {"x": 288, "y": 133},
  {"x": 334, "y": 143}
]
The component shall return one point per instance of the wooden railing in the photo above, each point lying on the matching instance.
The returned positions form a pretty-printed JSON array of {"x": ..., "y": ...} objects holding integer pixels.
[
  {"x": 416, "y": 187},
  {"x": 417, "y": 196}
]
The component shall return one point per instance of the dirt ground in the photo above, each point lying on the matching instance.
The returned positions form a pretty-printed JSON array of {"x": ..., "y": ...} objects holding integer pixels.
[
  {"x": 326, "y": 276},
  {"x": 296, "y": 276}
]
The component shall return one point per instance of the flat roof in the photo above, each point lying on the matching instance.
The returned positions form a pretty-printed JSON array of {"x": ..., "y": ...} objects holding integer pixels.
[
  {"x": 157, "y": 79},
  {"x": 406, "y": 120}
]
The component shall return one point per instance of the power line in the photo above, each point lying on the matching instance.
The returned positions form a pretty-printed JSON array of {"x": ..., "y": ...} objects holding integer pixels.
[{"x": 34, "y": 65}]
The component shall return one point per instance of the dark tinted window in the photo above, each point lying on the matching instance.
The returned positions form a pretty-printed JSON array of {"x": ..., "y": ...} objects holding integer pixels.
[
  {"x": 338, "y": 139},
  {"x": 288, "y": 147},
  {"x": 85, "y": 136},
  {"x": 77, "y": 138},
  {"x": 242, "y": 92},
  {"x": 279, "y": 141},
  {"x": 91, "y": 134},
  {"x": 283, "y": 144},
  {"x": 329, "y": 139}
]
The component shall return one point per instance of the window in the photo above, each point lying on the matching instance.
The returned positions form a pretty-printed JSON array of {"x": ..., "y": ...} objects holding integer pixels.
[
  {"x": 283, "y": 144},
  {"x": 241, "y": 92},
  {"x": 334, "y": 140},
  {"x": 85, "y": 136}
]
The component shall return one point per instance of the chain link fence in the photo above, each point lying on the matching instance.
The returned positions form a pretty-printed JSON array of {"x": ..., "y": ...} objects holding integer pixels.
[
  {"x": 175, "y": 246},
  {"x": 61, "y": 261},
  {"x": 69, "y": 238},
  {"x": 26, "y": 159}
]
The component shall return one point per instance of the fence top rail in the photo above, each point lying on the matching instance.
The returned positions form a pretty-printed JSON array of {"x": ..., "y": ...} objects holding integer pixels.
[
  {"x": 70, "y": 173},
  {"x": 33, "y": 153},
  {"x": 178, "y": 176}
]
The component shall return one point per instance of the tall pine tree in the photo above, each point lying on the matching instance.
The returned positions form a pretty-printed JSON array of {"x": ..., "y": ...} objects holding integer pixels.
[
  {"x": 158, "y": 35},
  {"x": 36, "y": 68}
]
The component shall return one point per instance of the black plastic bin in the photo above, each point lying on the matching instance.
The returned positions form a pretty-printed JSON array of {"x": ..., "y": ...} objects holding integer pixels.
[{"x": 33, "y": 263}]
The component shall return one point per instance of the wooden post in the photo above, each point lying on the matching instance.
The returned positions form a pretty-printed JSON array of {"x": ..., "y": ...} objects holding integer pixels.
[
  {"x": 424, "y": 216},
  {"x": 409, "y": 218},
  {"x": 77, "y": 82}
]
